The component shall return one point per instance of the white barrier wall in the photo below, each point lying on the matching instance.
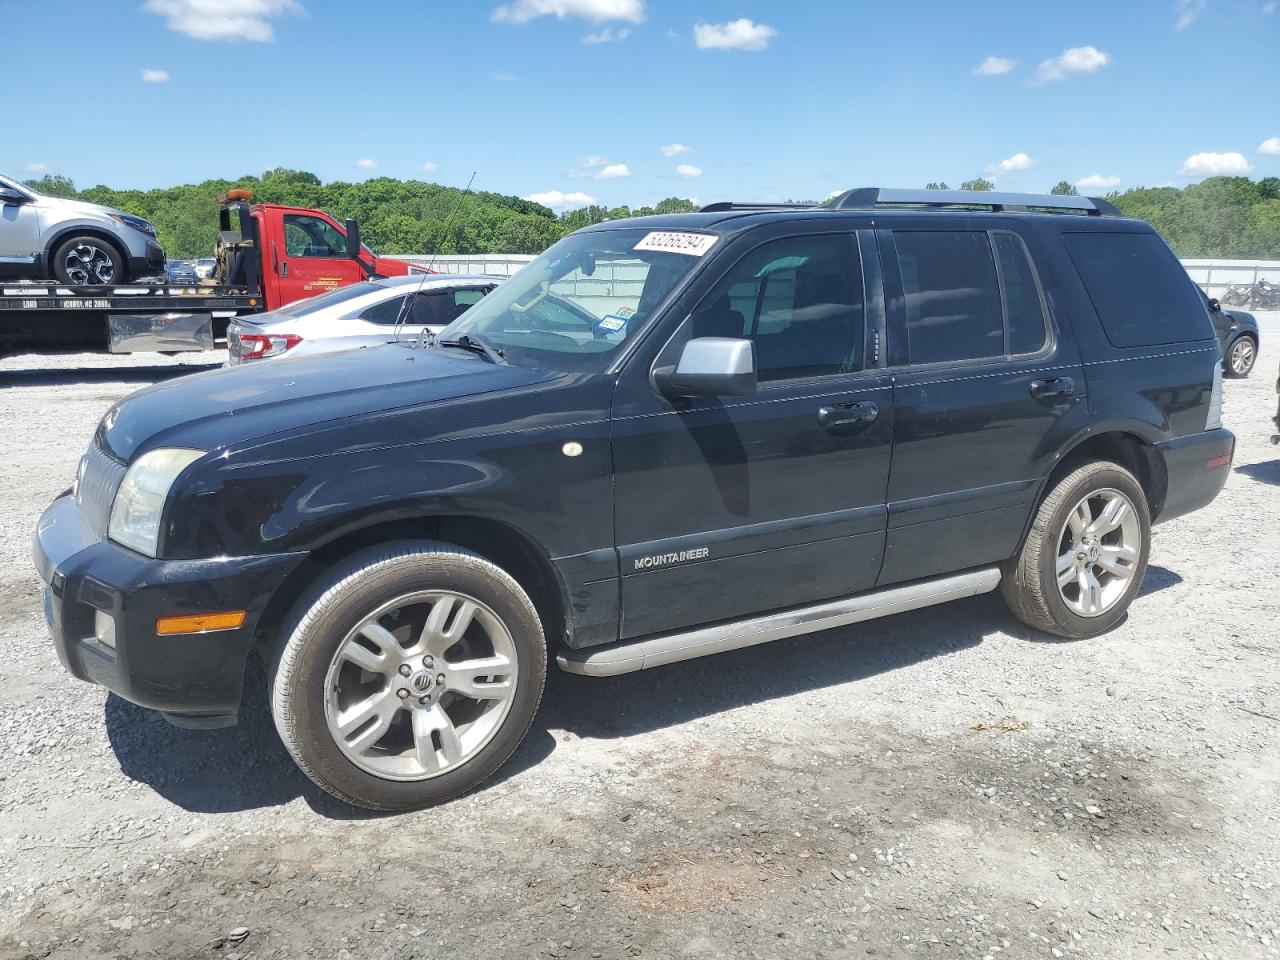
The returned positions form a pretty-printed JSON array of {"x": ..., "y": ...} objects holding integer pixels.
[{"x": 1216, "y": 276}]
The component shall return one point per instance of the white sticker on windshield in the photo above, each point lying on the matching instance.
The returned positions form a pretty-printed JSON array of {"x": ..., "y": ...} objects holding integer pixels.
[{"x": 694, "y": 244}]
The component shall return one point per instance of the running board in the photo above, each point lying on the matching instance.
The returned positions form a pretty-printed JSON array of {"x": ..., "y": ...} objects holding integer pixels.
[{"x": 630, "y": 655}]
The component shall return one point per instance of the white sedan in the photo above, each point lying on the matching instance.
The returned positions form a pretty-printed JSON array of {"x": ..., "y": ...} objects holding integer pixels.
[{"x": 359, "y": 315}]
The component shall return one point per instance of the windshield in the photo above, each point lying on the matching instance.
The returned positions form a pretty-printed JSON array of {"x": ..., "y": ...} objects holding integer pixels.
[
  {"x": 329, "y": 299},
  {"x": 574, "y": 307}
]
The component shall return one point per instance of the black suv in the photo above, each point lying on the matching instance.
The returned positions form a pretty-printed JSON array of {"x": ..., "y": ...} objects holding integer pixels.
[{"x": 664, "y": 438}]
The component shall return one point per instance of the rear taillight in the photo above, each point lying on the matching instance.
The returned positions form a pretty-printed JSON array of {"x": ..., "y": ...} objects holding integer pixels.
[
  {"x": 257, "y": 346},
  {"x": 1214, "y": 419}
]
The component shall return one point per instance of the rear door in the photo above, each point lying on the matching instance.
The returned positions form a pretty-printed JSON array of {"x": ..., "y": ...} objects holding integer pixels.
[
  {"x": 730, "y": 506},
  {"x": 987, "y": 391},
  {"x": 309, "y": 257}
]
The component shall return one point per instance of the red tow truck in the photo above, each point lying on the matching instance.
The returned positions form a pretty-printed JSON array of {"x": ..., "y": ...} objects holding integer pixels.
[{"x": 268, "y": 255}]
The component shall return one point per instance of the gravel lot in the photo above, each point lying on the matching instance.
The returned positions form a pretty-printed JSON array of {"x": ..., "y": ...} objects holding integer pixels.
[{"x": 940, "y": 784}]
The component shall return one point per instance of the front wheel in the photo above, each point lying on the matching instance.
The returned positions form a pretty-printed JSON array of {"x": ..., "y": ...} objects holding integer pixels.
[
  {"x": 409, "y": 675},
  {"x": 1086, "y": 555},
  {"x": 1241, "y": 356},
  {"x": 88, "y": 261}
]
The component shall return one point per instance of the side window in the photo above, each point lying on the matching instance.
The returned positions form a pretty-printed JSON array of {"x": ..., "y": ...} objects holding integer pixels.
[
  {"x": 952, "y": 297},
  {"x": 306, "y": 236},
  {"x": 1140, "y": 291},
  {"x": 1023, "y": 306},
  {"x": 464, "y": 300},
  {"x": 800, "y": 299},
  {"x": 387, "y": 312}
]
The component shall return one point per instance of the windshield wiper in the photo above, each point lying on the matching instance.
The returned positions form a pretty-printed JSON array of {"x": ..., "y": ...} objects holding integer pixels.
[{"x": 475, "y": 345}]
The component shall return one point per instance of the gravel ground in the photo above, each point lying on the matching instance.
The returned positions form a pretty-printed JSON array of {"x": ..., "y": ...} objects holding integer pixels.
[{"x": 940, "y": 784}]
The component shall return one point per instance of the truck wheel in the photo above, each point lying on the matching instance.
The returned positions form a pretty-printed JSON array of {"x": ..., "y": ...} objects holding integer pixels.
[
  {"x": 1086, "y": 555},
  {"x": 1241, "y": 356},
  {"x": 88, "y": 261},
  {"x": 410, "y": 674}
]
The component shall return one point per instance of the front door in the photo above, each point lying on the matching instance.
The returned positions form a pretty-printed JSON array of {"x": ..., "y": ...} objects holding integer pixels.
[
  {"x": 726, "y": 507},
  {"x": 19, "y": 237},
  {"x": 986, "y": 394},
  {"x": 311, "y": 258}
]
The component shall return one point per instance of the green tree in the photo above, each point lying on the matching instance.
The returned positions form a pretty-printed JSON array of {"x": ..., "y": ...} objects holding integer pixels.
[
  {"x": 982, "y": 183},
  {"x": 1063, "y": 189},
  {"x": 54, "y": 185},
  {"x": 938, "y": 185}
]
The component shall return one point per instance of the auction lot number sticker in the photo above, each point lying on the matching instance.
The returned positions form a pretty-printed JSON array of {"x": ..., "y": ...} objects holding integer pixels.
[{"x": 693, "y": 244}]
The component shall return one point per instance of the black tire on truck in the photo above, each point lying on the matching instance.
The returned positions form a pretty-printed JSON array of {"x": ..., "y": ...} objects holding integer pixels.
[
  {"x": 87, "y": 260},
  {"x": 408, "y": 674}
]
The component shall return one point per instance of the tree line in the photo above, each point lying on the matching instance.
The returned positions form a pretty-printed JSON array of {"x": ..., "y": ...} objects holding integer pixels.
[{"x": 1229, "y": 217}]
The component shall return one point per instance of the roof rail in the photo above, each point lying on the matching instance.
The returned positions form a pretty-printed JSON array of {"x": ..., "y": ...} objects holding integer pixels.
[
  {"x": 723, "y": 205},
  {"x": 869, "y": 198}
]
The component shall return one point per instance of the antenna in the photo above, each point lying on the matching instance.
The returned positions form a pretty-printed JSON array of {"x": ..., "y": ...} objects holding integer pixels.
[{"x": 405, "y": 306}]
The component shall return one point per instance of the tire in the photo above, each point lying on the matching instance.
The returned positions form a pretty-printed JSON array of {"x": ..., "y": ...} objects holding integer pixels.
[
  {"x": 88, "y": 261},
  {"x": 1030, "y": 581},
  {"x": 320, "y": 685},
  {"x": 1241, "y": 355}
]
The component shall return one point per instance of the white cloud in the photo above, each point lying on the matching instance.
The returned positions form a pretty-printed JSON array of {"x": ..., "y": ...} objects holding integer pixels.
[
  {"x": 597, "y": 11},
  {"x": 559, "y": 201},
  {"x": 37, "y": 169},
  {"x": 430, "y": 167},
  {"x": 607, "y": 35},
  {"x": 367, "y": 164},
  {"x": 223, "y": 19},
  {"x": 1215, "y": 165},
  {"x": 1096, "y": 181},
  {"x": 740, "y": 34},
  {"x": 592, "y": 160},
  {"x": 1015, "y": 164},
  {"x": 505, "y": 77},
  {"x": 994, "y": 66},
  {"x": 689, "y": 170},
  {"x": 675, "y": 150},
  {"x": 1270, "y": 146},
  {"x": 154, "y": 76},
  {"x": 1188, "y": 10},
  {"x": 613, "y": 171},
  {"x": 1075, "y": 60}
]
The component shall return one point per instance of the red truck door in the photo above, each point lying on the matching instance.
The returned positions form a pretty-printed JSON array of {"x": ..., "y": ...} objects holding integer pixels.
[{"x": 306, "y": 255}]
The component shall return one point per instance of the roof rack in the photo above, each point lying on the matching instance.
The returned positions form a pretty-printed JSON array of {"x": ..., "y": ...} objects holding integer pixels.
[
  {"x": 871, "y": 198},
  {"x": 868, "y": 198}
]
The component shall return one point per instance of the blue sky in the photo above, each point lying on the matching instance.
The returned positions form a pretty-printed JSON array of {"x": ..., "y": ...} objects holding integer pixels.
[{"x": 574, "y": 99}]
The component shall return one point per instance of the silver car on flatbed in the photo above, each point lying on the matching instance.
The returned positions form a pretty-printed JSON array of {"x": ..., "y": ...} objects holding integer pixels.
[{"x": 360, "y": 315}]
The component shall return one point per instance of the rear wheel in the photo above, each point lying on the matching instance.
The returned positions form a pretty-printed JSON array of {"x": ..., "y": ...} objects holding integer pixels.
[
  {"x": 88, "y": 261},
  {"x": 1241, "y": 356},
  {"x": 410, "y": 674},
  {"x": 1086, "y": 555}
]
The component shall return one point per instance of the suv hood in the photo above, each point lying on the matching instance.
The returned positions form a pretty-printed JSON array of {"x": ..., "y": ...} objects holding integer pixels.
[
  {"x": 226, "y": 407},
  {"x": 83, "y": 207}
]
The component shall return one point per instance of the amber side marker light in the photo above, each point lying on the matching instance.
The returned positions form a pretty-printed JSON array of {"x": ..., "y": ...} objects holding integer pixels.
[
  {"x": 1216, "y": 462},
  {"x": 200, "y": 623}
]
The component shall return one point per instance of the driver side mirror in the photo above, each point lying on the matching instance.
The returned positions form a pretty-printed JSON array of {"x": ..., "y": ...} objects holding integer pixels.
[
  {"x": 711, "y": 367},
  {"x": 1214, "y": 305},
  {"x": 353, "y": 239},
  {"x": 10, "y": 195}
]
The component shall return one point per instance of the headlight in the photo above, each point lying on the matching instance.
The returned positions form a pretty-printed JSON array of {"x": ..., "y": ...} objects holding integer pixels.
[
  {"x": 139, "y": 503},
  {"x": 136, "y": 223}
]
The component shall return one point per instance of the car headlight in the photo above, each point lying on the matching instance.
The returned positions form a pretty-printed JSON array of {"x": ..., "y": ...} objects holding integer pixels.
[
  {"x": 136, "y": 223},
  {"x": 139, "y": 503}
]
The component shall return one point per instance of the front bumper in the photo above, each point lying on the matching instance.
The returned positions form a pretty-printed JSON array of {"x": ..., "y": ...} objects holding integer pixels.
[
  {"x": 1197, "y": 467},
  {"x": 149, "y": 263},
  {"x": 102, "y": 602}
]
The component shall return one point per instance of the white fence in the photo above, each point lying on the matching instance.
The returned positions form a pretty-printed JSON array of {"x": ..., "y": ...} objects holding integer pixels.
[
  {"x": 1216, "y": 276},
  {"x": 1213, "y": 276}
]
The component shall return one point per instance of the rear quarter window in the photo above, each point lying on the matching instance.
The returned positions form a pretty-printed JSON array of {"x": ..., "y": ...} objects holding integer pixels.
[{"x": 1140, "y": 291}]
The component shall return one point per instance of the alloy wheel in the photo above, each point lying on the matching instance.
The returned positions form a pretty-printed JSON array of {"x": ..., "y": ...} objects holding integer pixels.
[
  {"x": 87, "y": 264},
  {"x": 420, "y": 685},
  {"x": 1242, "y": 355},
  {"x": 1098, "y": 552}
]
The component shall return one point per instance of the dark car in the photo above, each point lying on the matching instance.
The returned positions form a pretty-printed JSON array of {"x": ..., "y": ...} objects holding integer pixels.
[
  {"x": 1237, "y": 333},
  {"x": 664, "y": 438},
  {"x": 182, "y": 272}
]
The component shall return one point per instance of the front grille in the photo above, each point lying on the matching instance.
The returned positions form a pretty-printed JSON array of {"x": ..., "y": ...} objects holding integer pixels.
[{"x": 100, "y": 476}]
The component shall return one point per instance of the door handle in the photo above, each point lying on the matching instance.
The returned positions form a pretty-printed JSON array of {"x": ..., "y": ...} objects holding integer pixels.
[
  {"x": 847, "y": 417},
  {"x": 284, "y": 268},
  {"x": 1054, "y": 387}
]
